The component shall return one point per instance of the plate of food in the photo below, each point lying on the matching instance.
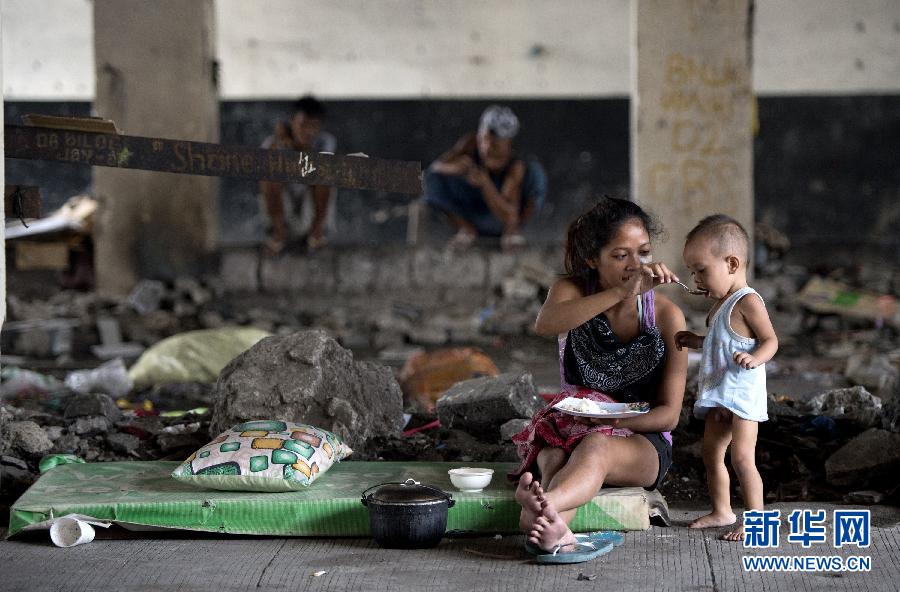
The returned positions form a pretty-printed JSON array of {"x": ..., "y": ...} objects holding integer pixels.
[{"x": 589, "y": 408}]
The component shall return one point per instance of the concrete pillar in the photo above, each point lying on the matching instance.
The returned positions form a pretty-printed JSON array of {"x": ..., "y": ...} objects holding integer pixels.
[
  {"x": 2, "y": 203},
  {"x": 155, "y": 77},
  {"x": 691, "y": 104}
]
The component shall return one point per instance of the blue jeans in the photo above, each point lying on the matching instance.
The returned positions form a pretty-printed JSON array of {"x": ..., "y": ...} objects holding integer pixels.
[{"x": 452, "y": 194}]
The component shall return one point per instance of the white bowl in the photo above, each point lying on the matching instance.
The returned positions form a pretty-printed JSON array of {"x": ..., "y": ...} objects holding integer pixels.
[{"x": 470, "y": 479}]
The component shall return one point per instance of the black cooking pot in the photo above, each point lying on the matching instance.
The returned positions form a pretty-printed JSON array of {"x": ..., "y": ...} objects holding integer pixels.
[{"x": 407, "y": 515}]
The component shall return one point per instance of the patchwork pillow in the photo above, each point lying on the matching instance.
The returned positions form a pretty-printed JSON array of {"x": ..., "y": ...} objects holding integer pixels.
[{"x": 263, "y": 456}]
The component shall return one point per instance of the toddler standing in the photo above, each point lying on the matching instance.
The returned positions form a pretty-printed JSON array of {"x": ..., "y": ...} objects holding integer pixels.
[{"x": 740, "y": 340}]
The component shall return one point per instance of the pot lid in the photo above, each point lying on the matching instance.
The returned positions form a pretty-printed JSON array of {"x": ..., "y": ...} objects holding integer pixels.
[{"x": 409, "y": 492}]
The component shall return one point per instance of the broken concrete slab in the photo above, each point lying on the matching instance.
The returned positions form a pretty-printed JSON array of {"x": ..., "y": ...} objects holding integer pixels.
[
  {"x": 512, "y": 427},
  {"x": 11, "y": 461},
  {"x": 123, "y": 443},
  {"x": 67, "y": 443},
  {"x": 890, "y": 412},
  {"x": 83, "y": 405},
  {"x": 308, "y": 377},
  {"x": 146, "y": 296},
  {"x": 870, "y": 459},
  {"x": 482, "y": 405},
  {"x": 190, "y": 288},
  {"x": 5, "y": 419},
  {"x": 54, "y": 432},
  {"x": 867, "y": 497},
  {"x": 855, "y": 404},
  {"x": 874, "y": 371},
  {"x": 29, "y": 439},
  {"x": 91, "y": 426}
]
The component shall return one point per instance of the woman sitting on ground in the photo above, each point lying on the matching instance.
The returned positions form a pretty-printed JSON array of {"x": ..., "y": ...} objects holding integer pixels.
[{"x": 616, "y": 344}]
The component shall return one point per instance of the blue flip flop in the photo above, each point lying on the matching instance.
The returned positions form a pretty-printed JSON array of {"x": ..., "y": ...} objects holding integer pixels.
[
  {"x": 599, "y": 538},
  {"x": 582, "y": 552}
]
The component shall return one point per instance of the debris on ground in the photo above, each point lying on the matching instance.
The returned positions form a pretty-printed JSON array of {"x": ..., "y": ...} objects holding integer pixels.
[
  {"x": 834, "y": 403},
  {"x": 426, "y": 376}
]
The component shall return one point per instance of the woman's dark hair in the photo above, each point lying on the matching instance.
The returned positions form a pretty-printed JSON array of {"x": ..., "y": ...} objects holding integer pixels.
[{"x": 593, "y": 230}]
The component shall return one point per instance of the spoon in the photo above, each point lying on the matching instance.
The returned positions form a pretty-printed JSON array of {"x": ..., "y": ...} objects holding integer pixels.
[{"x": 688, "y": 289}]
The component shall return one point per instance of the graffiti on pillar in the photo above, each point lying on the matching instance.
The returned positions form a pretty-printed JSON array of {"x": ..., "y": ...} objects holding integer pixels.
[{"x": 698, "y": 103}]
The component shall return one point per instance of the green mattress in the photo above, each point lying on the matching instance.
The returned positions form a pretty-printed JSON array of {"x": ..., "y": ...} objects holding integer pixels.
[{"x": 142, "y": 494}]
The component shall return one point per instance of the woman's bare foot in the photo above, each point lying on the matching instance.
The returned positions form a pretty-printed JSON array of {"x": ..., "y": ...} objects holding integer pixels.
[
  {"x": 550, "y": 530},
  {"x": 714, "y": 519},
  {"x": 529, "y": 495},
  {"x": 734, "y": 535}
]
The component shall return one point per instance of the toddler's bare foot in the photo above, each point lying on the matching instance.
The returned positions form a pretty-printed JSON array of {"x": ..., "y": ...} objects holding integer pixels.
[
  {"x": 734, "y": 535},
  {"x": 529, "y": 495},
  {"x": 550, "y": 530},
  {"x": 714, "y": 519}
]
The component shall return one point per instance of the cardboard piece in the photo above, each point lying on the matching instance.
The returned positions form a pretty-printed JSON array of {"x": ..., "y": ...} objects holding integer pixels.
[{"x": 97, "y": 125}]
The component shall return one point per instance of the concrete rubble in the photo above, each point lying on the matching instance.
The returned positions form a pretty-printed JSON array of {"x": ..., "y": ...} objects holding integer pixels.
[
  {"x": 308, "y": 377},
  {"x": 481, "y": 406},
  {"x": 855, "y": 404}
]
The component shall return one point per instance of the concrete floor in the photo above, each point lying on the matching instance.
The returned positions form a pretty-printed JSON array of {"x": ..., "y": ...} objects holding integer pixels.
[{"x": 674, "y": 558}]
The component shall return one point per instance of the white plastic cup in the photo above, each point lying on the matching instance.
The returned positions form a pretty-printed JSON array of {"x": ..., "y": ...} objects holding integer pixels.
[{"x": 68, "y": 532}]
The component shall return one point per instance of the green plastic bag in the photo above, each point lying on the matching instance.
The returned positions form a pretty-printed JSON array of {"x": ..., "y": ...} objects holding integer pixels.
[
  {"x": 54, "y": 460},
  {"x": 194, "y": 356}
]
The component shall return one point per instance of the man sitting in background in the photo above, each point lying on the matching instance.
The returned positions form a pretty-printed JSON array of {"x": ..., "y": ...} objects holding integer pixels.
[
  {"x": 484, "y": 188},
  {"x": 287, "y": 205}
]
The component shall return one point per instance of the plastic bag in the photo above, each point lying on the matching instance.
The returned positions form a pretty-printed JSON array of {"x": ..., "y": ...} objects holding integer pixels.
[
  {"x": 110, "y": 378},
  {"x": 195, "y": 356},
  {"x": 54, "y": 460}
]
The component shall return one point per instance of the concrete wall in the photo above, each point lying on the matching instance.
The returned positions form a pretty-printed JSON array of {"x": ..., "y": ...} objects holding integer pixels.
[
  {"x": 3, "y": 204},
  {"x": 48, "y": 50},
  {"x": 456, "y": 48}
]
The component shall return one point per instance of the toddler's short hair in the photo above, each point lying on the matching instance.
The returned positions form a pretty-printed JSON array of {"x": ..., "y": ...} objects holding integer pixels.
[{"x": 726, "y": 233}]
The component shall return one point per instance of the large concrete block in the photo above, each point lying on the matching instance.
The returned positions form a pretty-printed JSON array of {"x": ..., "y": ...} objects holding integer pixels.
[
  {"x": 307, "y": 377},
  {"x": 482, "y": 405}
]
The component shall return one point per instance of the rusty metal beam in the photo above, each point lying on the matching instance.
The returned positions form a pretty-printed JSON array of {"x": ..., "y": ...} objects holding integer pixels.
[
  {"x": 21, "y": 201},
  {"x": 199, "y": 158}
]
